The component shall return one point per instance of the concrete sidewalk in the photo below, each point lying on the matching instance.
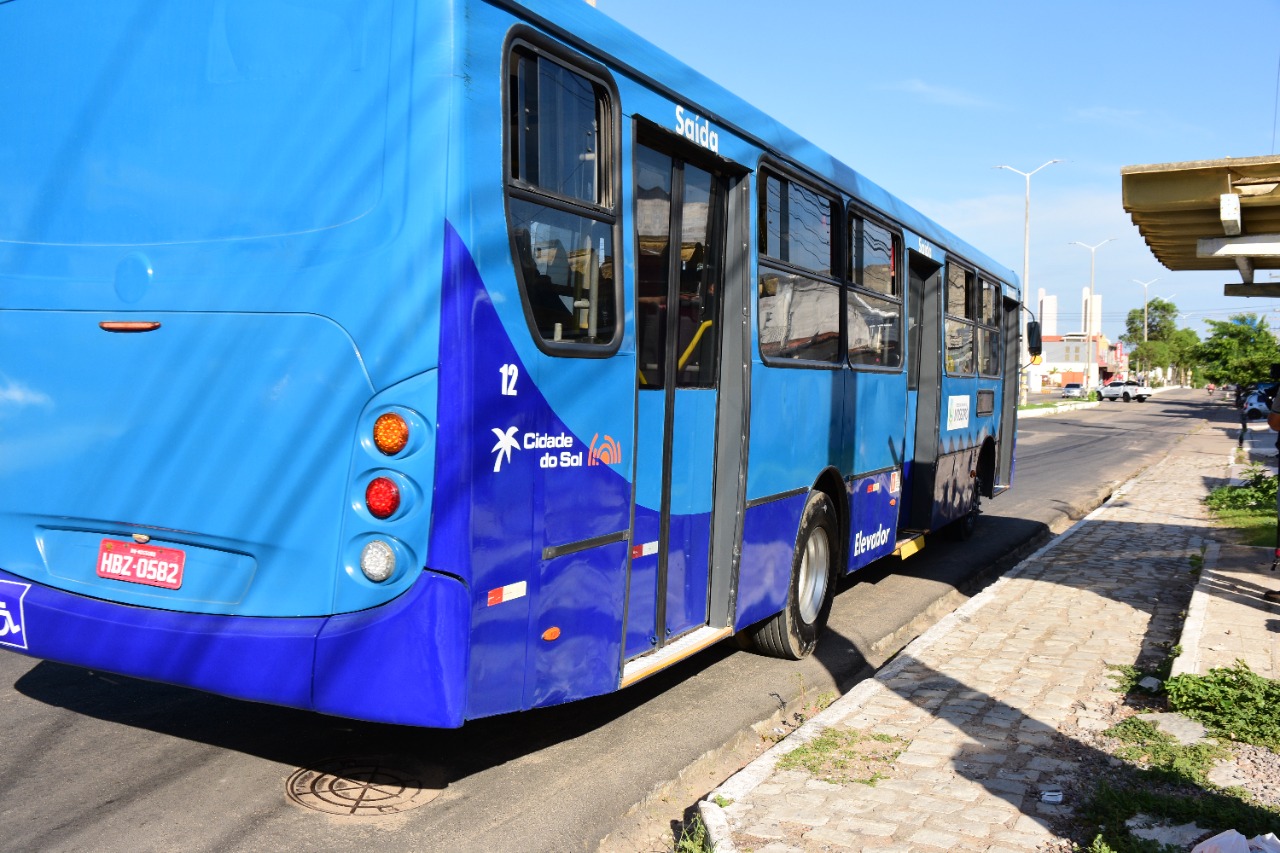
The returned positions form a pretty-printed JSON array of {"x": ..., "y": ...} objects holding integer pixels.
[{"x": 998, "y": 703}]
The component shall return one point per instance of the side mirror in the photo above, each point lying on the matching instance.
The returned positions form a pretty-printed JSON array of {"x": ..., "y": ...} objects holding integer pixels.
[{"x": 1034, "y": 344}]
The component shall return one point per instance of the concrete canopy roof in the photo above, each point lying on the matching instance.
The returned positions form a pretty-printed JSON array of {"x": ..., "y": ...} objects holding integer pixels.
[{"x": 1210, "y": 215}]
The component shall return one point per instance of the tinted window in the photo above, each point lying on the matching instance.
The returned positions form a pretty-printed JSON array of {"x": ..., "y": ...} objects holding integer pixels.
[
  {"x": 556, "y": 121},
  {"x": 873, "y": 303},
  {"x": 799, "y": 317},
  {"x": 562, "y": 231}
]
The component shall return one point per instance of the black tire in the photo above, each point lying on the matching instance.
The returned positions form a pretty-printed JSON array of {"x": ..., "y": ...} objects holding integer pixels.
[
  {"x": 793, "y": 633},
  {"x": 1126, "y": 396}
]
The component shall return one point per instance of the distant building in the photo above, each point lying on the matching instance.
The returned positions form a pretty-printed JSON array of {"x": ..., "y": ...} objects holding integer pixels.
[
  {"x": 1048, "y": 313},
  {"x": 1066, "y": 358}
]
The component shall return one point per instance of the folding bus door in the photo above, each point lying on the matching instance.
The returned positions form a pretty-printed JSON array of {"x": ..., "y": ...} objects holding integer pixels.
[{"x": 681, "y": 213}]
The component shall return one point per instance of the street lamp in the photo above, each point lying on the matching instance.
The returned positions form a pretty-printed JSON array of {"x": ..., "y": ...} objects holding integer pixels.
[
  {"x": 1088, "y": 309},
  {"x": 1026, "y": 242},
  {"x": 1144, "y": 284},
  {"x": 1026, "y": 224}
]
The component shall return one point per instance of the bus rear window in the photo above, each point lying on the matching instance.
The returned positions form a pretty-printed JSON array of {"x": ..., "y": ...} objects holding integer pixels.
[{"x": 191, "y": 123}]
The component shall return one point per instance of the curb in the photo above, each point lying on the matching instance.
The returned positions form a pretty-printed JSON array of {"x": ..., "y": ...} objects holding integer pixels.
[{"x": 1197, "y": 611}]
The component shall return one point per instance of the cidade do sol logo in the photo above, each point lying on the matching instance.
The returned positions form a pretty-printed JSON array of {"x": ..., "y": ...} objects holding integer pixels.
[{"x": 559, "y": 450}]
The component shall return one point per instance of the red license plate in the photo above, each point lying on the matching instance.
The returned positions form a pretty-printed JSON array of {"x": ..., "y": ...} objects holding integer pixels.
[{"x": 145, "y": 564}]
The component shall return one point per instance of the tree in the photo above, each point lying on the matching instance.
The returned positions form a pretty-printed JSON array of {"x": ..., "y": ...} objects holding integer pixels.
[
  {"x": 1162, "y": 323},
  {"x": 1149, "y": 354},
  {"x": 1184, "y": 349},
  {"x": 1241, "y": 349}
]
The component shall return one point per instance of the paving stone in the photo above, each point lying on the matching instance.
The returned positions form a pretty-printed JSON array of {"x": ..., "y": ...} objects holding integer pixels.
[
  {"x": 935, "y": 838},
  {"x": 869, "y": 827}
]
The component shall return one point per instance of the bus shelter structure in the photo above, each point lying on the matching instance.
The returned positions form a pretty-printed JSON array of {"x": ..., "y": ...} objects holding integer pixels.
[{"x": 1210, "y": 215}]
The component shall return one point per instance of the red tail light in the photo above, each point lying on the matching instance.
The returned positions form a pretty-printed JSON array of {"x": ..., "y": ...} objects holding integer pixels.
[{"x": 382, "y": 497}]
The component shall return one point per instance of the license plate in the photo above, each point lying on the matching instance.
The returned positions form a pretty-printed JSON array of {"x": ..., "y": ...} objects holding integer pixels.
[{"x": 144, "y": 564}]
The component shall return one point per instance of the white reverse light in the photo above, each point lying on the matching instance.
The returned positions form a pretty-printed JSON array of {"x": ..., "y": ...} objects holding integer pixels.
[{"x": 378, "y": 561}]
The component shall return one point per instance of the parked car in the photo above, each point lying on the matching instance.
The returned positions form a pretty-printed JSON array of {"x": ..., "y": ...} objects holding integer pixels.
[{"x": 1073, "y": 389}]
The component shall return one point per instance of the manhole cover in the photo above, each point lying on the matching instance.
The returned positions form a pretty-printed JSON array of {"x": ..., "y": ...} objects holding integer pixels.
[{"x": 363, "y": 787}]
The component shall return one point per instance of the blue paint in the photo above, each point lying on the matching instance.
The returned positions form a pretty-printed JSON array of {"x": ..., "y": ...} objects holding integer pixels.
[
  {"x": 359, "y": 665},
  {"x": 768, "y": 545}
]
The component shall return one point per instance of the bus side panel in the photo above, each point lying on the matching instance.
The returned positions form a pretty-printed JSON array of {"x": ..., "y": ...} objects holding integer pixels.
[
  {"x": 514, "y": 479},
  {"x": 953, "y": 487},
  {"x": 578, "y": 617},
  {"x": 878, "y": 421},
  {"x": 873, "y": 512},
  {"x": 796, "y": 420},
  {"x": 768, "y": 545}
]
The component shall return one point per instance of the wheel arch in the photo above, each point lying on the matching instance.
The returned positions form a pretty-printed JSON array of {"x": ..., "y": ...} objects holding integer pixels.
[{"x": 830, "y": 483}]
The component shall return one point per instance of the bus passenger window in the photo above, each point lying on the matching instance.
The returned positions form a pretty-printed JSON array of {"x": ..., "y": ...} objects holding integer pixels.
[
  {"x": 561, "y": 211},
  {"x": 873, "y": 302},
  {"x": 959, "y": 326},
  {"x": 798, "y": 298},
  {"x": 988, "y": 331}
]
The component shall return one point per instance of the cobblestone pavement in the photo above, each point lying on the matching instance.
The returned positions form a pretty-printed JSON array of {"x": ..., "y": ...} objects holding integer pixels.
[{"x": 985, "y": 697}]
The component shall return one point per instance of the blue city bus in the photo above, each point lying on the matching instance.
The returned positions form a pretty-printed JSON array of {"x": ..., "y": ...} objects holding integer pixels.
[{"x": 423, "y": 361}]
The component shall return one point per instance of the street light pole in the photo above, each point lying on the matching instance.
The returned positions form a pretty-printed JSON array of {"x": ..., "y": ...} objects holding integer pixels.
[
  {"x": 1026, "y": 244},
  {"x": 1145, "y": 285},
  {"x": 1026, "y": 225},
  {"x": 1088, "y": 310}
]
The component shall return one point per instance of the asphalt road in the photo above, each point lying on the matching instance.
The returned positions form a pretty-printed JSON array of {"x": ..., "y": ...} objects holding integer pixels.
[{"x": 94, "y": 761}]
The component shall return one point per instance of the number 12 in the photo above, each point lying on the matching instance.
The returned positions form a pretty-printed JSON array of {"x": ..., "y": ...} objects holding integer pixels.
[{"x": 509, "y": 373}]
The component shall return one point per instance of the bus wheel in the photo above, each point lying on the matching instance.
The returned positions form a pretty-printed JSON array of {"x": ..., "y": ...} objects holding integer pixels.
[{"x": 793, "y": 633}]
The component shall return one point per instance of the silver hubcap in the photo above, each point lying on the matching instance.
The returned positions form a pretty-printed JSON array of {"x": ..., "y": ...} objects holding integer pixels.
[{"x": 815, "y": 568}]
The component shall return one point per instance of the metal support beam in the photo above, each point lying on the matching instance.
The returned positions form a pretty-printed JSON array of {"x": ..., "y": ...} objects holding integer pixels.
[
  {"x": 1245, "y": 265},
  {"x": 1252, "y": 246},
  {"x": 1270, "y": 289}
]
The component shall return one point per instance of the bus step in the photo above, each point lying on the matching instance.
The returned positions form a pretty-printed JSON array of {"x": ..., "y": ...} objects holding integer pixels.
[
  {"x": 908, "y": 545},
  {"x": 691, "y": 643}
]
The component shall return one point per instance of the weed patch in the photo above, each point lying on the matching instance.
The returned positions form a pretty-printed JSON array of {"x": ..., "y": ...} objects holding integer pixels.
[
  {"x": 843, "y": 756},
  {"x": 693, "y": 838},
  {"x": 1232, "y": 702}
]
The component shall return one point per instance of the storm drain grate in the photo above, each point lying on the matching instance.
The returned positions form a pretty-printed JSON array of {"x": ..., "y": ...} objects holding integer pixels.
[{"x": 363, "y": 787}]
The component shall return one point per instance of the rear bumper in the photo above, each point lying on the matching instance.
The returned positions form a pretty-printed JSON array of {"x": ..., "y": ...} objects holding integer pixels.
[{"x": 403, "y": 662}]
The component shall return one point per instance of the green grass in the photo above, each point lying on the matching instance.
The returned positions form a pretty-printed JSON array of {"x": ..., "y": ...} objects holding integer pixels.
[
  {"x": 1249, "y": 508},
  {"x": 841, "y": 756},
  {"x": 1257, "y": 529}
]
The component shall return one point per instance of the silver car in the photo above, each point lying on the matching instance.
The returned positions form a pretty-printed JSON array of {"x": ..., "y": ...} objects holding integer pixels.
[{"x": 1073, "y": 389}]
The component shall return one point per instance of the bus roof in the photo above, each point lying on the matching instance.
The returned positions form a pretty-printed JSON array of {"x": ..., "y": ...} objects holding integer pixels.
[{"x": 598, "y": 35}]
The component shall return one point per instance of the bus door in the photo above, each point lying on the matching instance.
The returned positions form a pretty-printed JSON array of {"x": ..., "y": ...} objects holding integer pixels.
[
  {"x": 924, "y": 375},
  {"x": 681, "y": 211}
]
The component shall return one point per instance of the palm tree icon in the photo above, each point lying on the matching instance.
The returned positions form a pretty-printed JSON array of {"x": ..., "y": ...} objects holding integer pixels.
[{"x": 506, "y": 443}]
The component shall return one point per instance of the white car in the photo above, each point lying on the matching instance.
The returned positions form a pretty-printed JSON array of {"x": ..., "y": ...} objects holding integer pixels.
[
  {"x": 1073, "y": 389},
  {"x": 1126, "y": 391}
]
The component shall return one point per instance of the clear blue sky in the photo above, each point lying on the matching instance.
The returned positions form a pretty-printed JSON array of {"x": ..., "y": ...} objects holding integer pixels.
[{"x": 925, "y": 98}]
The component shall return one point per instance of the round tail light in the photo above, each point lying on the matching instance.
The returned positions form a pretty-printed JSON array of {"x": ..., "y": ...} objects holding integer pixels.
[
  {"x": 382, "y": 497},
  {"x": 390, "y": 434},
  {"x": 378, "y": 561}
]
